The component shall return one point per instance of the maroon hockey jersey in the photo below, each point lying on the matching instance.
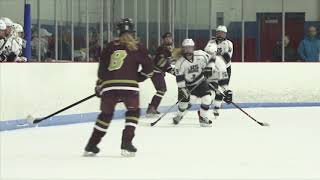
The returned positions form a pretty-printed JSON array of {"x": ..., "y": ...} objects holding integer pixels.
[
  {"x": 118, "y": 67},
  {"x": 162, "y": 59}
]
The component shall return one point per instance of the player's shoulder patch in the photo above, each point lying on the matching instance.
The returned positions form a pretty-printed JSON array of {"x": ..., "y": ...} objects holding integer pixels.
[
  {"x": 229, "y": 42},
  {"x": 212, "y": 41},
  {"x": 199, "y": 52}
]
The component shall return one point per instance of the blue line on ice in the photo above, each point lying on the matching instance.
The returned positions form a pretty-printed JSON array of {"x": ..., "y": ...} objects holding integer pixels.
[{"x": 119, "y": 114}]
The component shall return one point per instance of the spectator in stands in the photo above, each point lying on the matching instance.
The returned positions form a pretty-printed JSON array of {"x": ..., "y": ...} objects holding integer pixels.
[
  {"x": 64, "y": 46},
  {"x": 94, "y": 46},
  {"x": 309, "y": 48},
  {"x": 41, "y": 43},
  {"x": 289, "y": 52}
]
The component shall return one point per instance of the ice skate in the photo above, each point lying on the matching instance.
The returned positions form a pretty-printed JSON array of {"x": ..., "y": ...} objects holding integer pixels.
[
  {"x": 177, "y": 119},
  {"x": 91, "y": 150},
  {"x": 152, "y": 112},
  {"x": 204, "y": 121},
  {"x": 216, "y": 112},
  {"x": 128, "y": 150}
]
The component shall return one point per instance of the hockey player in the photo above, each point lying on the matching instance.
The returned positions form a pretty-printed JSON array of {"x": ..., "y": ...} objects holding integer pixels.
[
  {"x": 20, "y": 43},
  {"x": 10, "y": 49},
  {"x": 189, "y": 73},
  {"x": 222, "y": 48},
  {"x": 118, "y": 82},
  {"x": 3, "y": 28},
  {"x": 162, "y": 64},
  {"x": 9, "y": 24},
  {"x": 19, "y": 34}
]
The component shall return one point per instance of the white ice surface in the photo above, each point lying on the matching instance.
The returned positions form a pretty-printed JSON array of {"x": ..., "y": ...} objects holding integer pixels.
[{"x": 235, "y": 147}]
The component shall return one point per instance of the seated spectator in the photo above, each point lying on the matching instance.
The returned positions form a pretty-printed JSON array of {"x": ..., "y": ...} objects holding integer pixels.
[
  {"x": 309, "y": 48},
  {"x": 64, "y": 47},
  {"x": 41, "y": 43},
  {"x": 94, "y": 46},
  {"x": 289, "y": 52}
]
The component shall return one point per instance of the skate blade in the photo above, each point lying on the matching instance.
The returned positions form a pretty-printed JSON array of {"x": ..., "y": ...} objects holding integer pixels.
[
  {"x": 89, "y": 154},
  {"x": 175, "y": 123},
  {"x": 205, "y": 125},
  {"x": 126, "y": 153}
]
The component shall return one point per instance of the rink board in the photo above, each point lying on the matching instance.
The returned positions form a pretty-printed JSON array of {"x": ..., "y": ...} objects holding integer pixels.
[{"x": 41, "y": 88}]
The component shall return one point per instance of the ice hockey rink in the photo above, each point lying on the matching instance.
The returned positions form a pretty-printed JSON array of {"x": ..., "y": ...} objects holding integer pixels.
[{"x": 235, "y": 147}]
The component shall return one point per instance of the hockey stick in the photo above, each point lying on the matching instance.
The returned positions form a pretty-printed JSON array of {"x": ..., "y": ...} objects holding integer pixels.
[
  {"x": 260, "y": 123},
  {"x": 168, "y": 110},
  {"x": 37, "y": 120}
]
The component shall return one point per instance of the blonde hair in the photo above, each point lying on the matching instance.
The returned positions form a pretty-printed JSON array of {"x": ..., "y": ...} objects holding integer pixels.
[
  {"x": 128, "y": 40},
  {"x": 177, "y": 53}
]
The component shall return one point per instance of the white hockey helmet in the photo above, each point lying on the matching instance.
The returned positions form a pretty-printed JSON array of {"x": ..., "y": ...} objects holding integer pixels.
[
  {"x": 3, "y": 25},
  {"x": 44, "y": 33},
  {"x": 187, "y": 42},
  {"x": 222, "y": 28},
  {"x": 18, "y": 28},
  {"x": 8, "y": 21}
]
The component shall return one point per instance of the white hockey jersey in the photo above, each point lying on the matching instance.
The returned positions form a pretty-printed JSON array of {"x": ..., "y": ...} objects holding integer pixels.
[
  {"x": 224, "y": 49},
  {"x": 219, "y": 70},
  {"x": 10, "y": 45},
  {"x": 189, "y": 73}
]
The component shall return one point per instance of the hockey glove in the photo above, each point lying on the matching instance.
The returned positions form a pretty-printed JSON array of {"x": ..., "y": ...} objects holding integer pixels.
[
  {"x": 3, "y": 58},
  {"x": 185, "y": 92},
  {"x": 207, "y": 72},
  {"x": 141, "y": 77},
  {"x": 171, "y": 71},
  {"x": 228, "y": 96},
  {"x": 98, "y": 88}
]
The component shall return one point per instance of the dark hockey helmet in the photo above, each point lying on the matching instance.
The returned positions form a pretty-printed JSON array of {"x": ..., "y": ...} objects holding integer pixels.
[
  {"x": 125, "y": 25},
  {"x": 167, "y": 34}
]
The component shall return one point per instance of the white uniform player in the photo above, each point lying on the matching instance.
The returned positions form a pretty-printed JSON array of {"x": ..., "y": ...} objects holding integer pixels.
[
  {"x": 18, "y": 33},
  {"x": 20, "y": 42},
  {"x": 3, "y": 28},
  {"x": 222, "y": 48},
  {"x": 191, "y": 81},
  {"x": 10, "y": 49}
]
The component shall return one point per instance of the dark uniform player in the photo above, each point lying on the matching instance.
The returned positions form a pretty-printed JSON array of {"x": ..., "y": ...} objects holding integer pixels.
[
  {"x": 162, "y": 64},
  {"x": 118, "y": 82}
]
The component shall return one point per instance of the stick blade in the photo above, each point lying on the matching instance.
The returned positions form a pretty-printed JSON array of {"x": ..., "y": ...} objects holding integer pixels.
[
  {"x": 33, "y": 120},
  {"x": 30, "y": 119},
  {"x": 266, "y": 124},
  {"x": 36, "y": 121},
  {"x": 263, "y": 123},
  {"x": 154, "y": 123}
]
